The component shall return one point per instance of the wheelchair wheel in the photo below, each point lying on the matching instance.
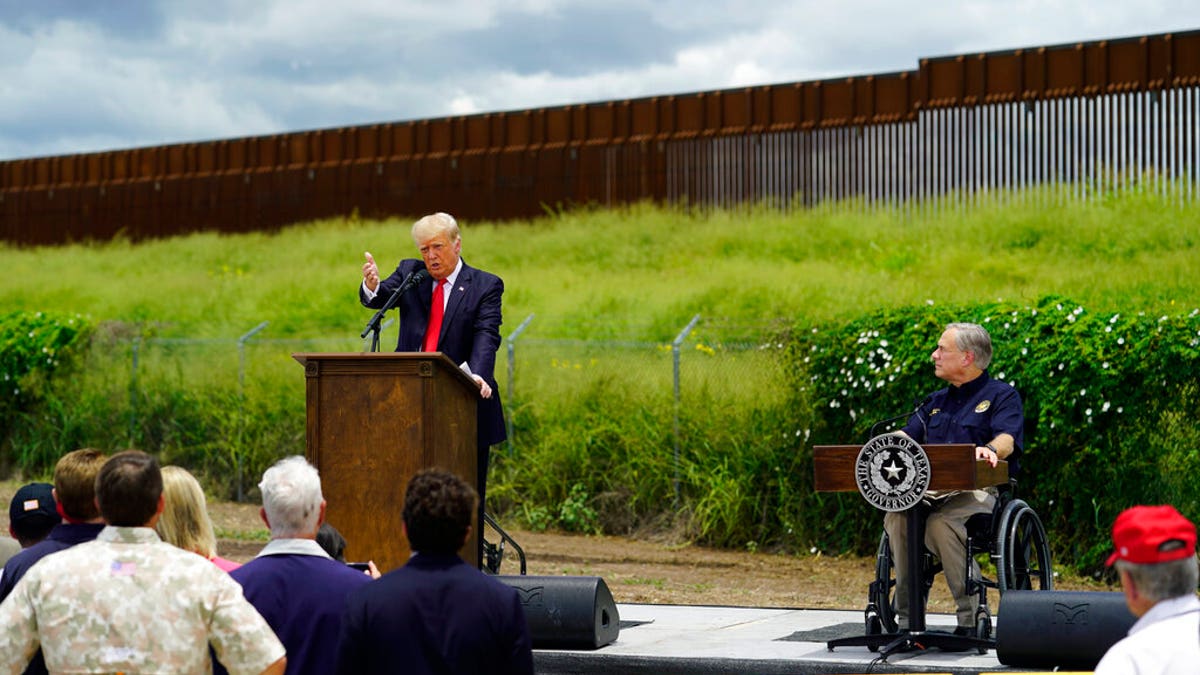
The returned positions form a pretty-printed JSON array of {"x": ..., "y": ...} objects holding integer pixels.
[
  {"x": 1023, "y": 551},
  {"x": 883, "y": 589}
]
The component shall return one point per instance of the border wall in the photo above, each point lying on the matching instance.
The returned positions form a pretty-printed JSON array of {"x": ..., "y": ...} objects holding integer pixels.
[{"x": 964, "y": 124}]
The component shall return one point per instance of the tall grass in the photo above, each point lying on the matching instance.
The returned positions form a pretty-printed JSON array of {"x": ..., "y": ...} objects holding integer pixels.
[{"x": 640, "y": 272}]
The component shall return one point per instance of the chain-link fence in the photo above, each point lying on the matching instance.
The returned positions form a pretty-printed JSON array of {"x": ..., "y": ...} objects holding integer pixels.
[{"x": 210, "y": 395}]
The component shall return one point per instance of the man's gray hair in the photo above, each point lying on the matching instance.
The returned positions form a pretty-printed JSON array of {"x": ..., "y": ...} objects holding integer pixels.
[
  {"x": 1163, "y": 581},
  {"x": 291, "y": 496},
  {"x": 971, "y": 337},
  {"x": 434, "y": 224}
]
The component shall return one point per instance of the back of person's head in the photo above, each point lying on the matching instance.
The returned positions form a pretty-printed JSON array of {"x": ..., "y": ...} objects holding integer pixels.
[
  {"x": 971, "y": 337},
  {"x": 438, "y": 507},
  {"x": 291, "y": 496},
  {"x": 75, "y": 483},
  {"x": 433, "y": 225},
  {"x": 332, "y": 541},
  {"x": 128, "y": 489},
  {"x": 32, "y": 513},
  {"x": 1156, "y": 545},
  {"x": 185, "y": 521}
]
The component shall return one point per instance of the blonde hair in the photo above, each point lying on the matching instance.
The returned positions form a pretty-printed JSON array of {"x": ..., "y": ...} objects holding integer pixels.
[
  {"x": 184, "y": 521},
  {"x": 75, "y": 482},
  {"x": 435, "y": 224}
]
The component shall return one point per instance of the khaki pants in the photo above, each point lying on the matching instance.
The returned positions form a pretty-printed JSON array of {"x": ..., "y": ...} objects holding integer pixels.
[{"x": 945, "y": 537}]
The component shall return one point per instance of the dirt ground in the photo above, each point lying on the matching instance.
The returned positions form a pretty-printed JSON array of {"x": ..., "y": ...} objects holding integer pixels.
[{"x": 648, "y": 572}]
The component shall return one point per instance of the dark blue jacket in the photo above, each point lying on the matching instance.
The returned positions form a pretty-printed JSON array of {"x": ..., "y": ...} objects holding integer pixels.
[
  {"x": 975, "y": 412},
  {"x": 435, "y": 615},
  {"x": 470, "y": 329}
]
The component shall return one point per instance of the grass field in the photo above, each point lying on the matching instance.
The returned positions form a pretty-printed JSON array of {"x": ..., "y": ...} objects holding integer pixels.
[{"x": 641, "y": 272}]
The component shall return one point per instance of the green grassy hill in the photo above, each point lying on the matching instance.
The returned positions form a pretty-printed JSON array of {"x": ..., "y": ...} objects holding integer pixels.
[{"x": 1131, "y": 249}]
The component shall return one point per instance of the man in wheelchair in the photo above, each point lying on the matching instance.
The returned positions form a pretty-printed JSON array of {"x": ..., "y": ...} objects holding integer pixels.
[{"x": 976, "y": 409}]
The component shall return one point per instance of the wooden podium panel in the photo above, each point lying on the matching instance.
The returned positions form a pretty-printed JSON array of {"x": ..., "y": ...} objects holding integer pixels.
[
  {"x": 952, "y": 467},
  {"x": 373, "y": 421}
]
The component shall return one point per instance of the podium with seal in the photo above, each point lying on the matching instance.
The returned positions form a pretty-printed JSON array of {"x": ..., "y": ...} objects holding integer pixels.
[{"x": 892, "y": 472}]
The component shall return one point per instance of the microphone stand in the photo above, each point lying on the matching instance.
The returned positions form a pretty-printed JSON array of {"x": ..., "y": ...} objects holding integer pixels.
[
  {"x": 373, "y": 324},
  {"x": 916, "y": 410}
]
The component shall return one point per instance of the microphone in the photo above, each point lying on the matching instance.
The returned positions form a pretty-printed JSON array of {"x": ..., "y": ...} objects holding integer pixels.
[
  {"x": 915, "y": 411},
  {"x": 411, "y": 280}
]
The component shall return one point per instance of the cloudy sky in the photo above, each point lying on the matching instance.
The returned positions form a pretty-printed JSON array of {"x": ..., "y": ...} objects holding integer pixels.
[{"x": 87, "y": 75}]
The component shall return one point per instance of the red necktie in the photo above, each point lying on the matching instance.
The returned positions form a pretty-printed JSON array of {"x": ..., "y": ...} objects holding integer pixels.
[{"x": 434, "y": 329}]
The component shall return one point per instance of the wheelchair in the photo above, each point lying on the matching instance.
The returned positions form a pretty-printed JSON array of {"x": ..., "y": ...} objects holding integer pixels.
[{"x": 1014, "y": 540}]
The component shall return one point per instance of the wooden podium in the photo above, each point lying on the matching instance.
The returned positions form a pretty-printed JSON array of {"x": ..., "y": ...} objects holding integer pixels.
[
  {"x": 952, "y": 466},
  {"x": 374, "y": 420}
]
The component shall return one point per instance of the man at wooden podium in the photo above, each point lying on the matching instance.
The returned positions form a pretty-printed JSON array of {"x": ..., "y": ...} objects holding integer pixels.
[
  {"x": 973, "y": 409},
  {"x": 455, "y": 310}
]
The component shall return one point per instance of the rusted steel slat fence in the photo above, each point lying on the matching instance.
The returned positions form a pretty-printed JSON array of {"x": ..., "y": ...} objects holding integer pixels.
[{"x": 1095, "y": 113}]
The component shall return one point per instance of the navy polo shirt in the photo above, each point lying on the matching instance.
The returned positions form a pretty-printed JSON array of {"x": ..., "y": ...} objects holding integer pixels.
[{"x": 975, "y": 412}]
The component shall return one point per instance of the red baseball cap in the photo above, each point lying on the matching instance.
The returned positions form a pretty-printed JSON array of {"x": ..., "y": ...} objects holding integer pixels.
[{"x": 1152, "y": 534}]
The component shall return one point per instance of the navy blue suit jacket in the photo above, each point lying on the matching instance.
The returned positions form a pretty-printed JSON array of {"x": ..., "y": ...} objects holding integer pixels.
[
  {"x": 437, "y": 615},
  {"x": 470, "y": 329}
]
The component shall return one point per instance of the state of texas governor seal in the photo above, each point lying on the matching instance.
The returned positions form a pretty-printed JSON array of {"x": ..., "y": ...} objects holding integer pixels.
[{"x": 892, "y": 472}]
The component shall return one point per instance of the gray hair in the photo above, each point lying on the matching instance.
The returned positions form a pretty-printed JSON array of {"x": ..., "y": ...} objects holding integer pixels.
[
  {"x": 971, "y": 337},
  {"x": 291, "y": 496},
  {"x": 1163, "y": 581},
  {"x": 434, "y": 224}
]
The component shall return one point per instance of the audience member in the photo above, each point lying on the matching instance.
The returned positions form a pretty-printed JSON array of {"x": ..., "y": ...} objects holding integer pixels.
[
  {"x": 31, "y": 515},
  {"x": 332, "y": 542},
  {"x": 1156, "y": 559},
  {"x": 75, "y": 495},
  {"x": 185, "y": 521},
  {"x": 297, "y": 587},
  {"x": 436, "y": 614},
  {"x": 129, "y": 602}
]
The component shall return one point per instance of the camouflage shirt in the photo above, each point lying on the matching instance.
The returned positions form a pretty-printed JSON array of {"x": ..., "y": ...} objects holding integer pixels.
[{"x": 127, "y": 602}]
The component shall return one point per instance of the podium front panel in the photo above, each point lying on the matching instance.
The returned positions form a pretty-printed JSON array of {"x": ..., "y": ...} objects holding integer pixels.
[{"x": 373, "y": 421}]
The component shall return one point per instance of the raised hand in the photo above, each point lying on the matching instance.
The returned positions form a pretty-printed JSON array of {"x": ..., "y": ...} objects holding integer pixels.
[{"x": 370, "y": 272}]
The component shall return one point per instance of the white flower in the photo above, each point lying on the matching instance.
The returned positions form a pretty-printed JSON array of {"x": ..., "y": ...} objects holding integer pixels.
[
  {"x": 1120, "y": 341},
  {"x": 1105, "y": 407}
]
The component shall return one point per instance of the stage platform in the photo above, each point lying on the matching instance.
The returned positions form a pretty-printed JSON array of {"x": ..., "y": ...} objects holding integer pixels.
[{"x": 684, "y": 640}]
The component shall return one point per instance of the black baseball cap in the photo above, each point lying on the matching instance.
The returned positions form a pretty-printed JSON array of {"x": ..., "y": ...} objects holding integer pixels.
[{"x": 33, "y": 509}]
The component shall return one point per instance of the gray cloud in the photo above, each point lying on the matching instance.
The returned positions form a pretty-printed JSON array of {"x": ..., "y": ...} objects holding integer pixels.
[{"x": 77, "y": 77}]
